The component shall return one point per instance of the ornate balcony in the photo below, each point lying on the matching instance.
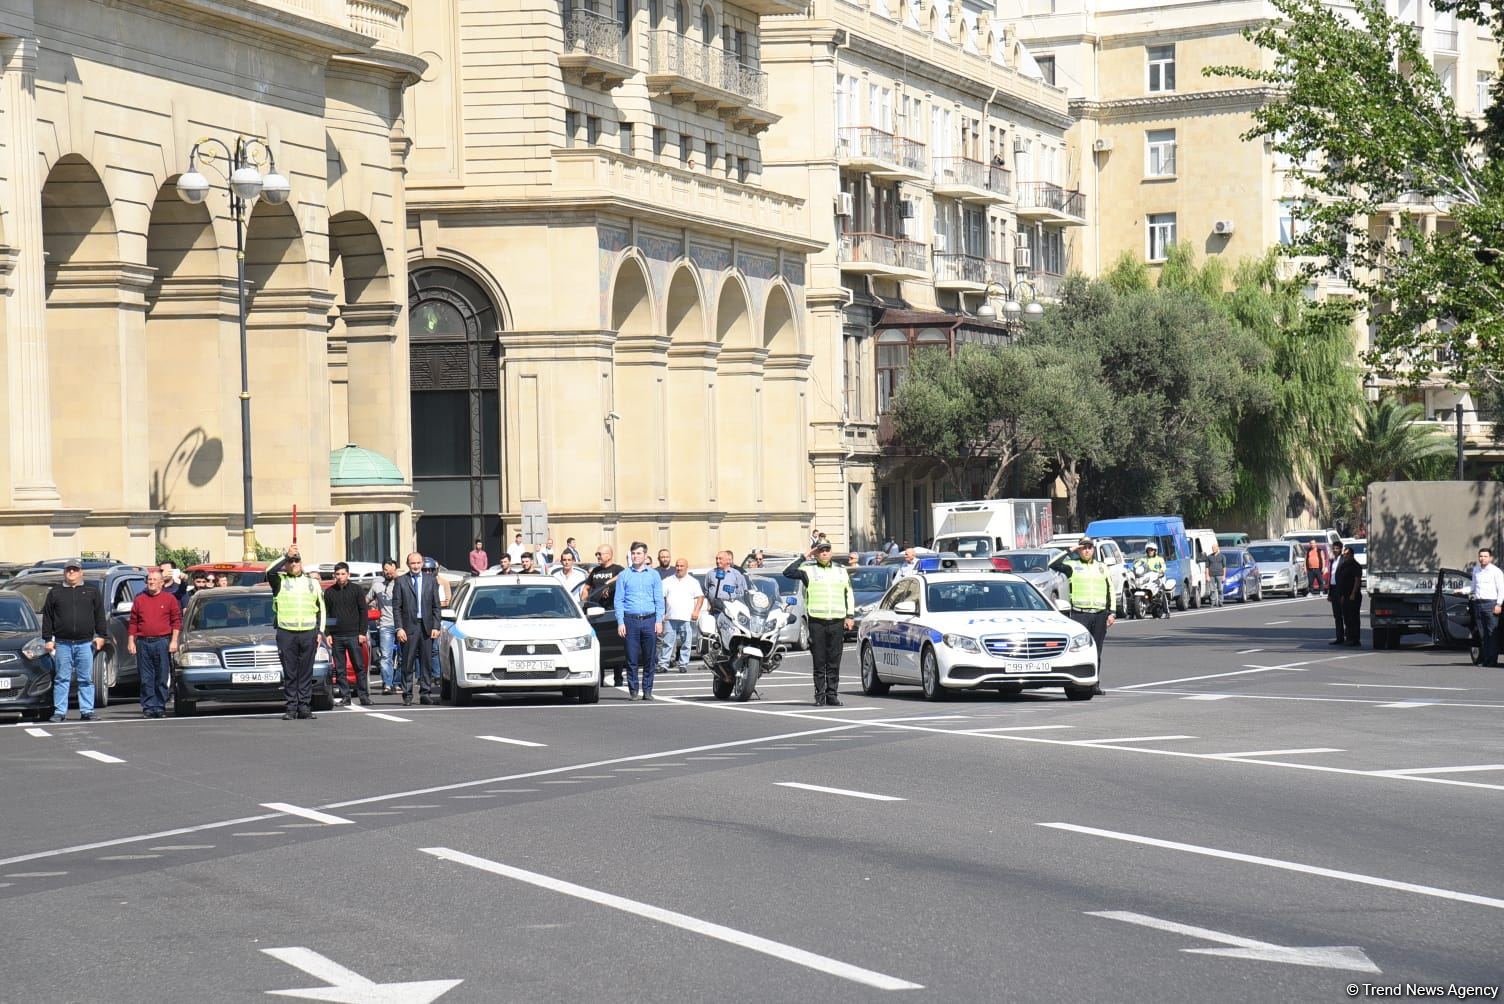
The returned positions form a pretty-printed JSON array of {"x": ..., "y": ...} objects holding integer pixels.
[
  {"x": 1040, "y": 200},
  {"x": 883, "y": 255},
  {"x": 881, "y": 154},
  {"x": 378, "y": 19},
  {"x": 971, "y": 180},
  {"x": 962, "y": 273},
  {"x": 595, "y": 49},
  {"x": 682, "y": 69}
]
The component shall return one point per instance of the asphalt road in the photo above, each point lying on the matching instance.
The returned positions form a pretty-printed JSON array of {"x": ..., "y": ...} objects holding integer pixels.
[{"x": 1247, "y": 815}]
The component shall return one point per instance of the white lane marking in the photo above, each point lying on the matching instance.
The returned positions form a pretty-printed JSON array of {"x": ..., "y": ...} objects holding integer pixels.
[
  {"x": 1394, "y": 686},
  {"x": 1127, "y": 739},
  {"x": 1290, "y": 866},
  {"x": 826, "y": 709},
  {"x": 470, "y": 796},
  {"x": 1204, "y": 697},
  {"x": 378, "y": 812},
  {"x": 788, "y": 953},
  {"x": 100, "y": 845},
  {"x": 259, "y": 833},
  {"x": 1311, "y": 749},
  {"x": 395, "y": 806},
  {"x": 101, "y": 757},
  {"x": 316, "y": 816},
  {"x": 128, "y": 857},
  {"x": 39, "y": 733},
  {"x": 182, "y": 847},
  {"x": 510, "y": 742},
  {"x": 1016, "y": 728},
  {"x": 35, "y": 874},
  {"x": 931, "y": 718},
  {"x": 511, "y": 791},
  {"x": 838, "y": 791},
  {"x": 1318, "y": 700},
  {"x": 1409, "y": 704},
  {"x": 1411, "y": 771},
  {"x": 351, "y": 987},
  {"x": 1272, "y": 623},
  {"x": 386, "y": 717},
  {"x": 1263, "y": 606},
  {"x": 1320, "y": 956},
  {"x": 1292, "y": 667},
  {"x": 1247, "y": 651}
]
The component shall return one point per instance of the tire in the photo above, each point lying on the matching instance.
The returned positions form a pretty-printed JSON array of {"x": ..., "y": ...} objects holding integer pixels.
[
  {"x": 802, "y": 642},
  {"x": 720, "y": 689},
  {"x": 585, "y": 695},
  {"x": 446, "y": 689},
  {"x": 104, "y": 672},
  {"x": 1180, "y": 600},
  {"x": 745, "y": 683},
  {"x": 322, "y": 702},
  {"x": 182, "y": 708},
  {"x": 1196, "y": 601},
  {"x": 929, "y": 676},
  {"x": 1243, "y": 593},
  {"x": 872, "y": 684},
  {"x": 459, "y": 696},
  {"x": 1074, "y": 692}
]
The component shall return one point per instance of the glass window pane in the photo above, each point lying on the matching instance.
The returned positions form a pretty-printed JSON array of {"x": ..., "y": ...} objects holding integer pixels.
[
  {"x": 441, "y": 433},
  {"x": 437, "y": 319},
  {"x": 490, "y": 433}
]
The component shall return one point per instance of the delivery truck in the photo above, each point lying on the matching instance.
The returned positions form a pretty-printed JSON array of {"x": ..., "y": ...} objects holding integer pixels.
[{"x": 981, "y": 528}]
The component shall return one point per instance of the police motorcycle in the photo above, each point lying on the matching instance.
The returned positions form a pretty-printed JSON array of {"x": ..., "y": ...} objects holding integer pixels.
[
  {"x": 1146, "y": 592},
  {"x": 742, "y": 642}
]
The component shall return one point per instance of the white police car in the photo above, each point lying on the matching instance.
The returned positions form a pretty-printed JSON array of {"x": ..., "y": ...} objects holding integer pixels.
[
  {"x": 517, "y": 632},
  {"x": 973, "y": 630}
]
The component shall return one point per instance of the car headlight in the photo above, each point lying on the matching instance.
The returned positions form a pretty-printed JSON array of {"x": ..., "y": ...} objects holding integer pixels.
[
  {"x": 1080, "y": 641},
  {"x": 34, "y": 649},
  {"x": 480, "y": 645},
  {"x": 576, "y": 644},
  {"x": 201, "y": 660},
  {"x": 962, "y": 643}
]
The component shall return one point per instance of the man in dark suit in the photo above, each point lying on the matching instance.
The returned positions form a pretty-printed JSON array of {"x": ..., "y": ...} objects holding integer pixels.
[{"x": 415, "y": 611}]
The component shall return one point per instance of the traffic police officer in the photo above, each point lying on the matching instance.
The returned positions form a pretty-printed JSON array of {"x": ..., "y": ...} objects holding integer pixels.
[
  {"x": 1092, "y": 602},
  {"x": 829, "y": 602},
  {"x": 298, "y": 610}
]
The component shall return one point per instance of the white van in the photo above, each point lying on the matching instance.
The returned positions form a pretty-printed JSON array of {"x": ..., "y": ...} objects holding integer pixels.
[
  {"x": 1203, "y": 543},
  {"x": 1108, "y": 553}
]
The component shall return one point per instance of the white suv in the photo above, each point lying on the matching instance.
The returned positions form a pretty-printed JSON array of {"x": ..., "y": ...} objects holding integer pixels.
[{"x": 517, "y": 633}]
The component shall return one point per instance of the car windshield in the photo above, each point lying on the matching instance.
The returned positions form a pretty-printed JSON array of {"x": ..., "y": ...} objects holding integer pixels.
[
  {"x": 1233, "y": 555},
  {"x": 245, "y": 610},
  {"x": 16, "y": 615},
  {"x": 1023, "y": 562},
  {"x": 870, "y": 579},
  {"x": 31, "y": 590},
  {"x": 1133, "y": 547},
  {"x": 973, "y": 595},
  {"x": 546, "y": 601},
  {"x": 1270, "y": 552}
]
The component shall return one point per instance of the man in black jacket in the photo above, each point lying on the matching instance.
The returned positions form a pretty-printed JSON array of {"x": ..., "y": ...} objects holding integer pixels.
[
  {"x": 415, "y": 611},
  {"x": 73, "y": 626},
  {"x": 345, "y": 603}
]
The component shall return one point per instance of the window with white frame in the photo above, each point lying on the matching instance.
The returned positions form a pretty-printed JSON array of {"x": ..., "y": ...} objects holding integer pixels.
[
  {"x": 1161, "y": 235},
  {"x": 1161, "y": 68},
  {"x": 848, "y": 104},
  {"x": 852, "y": 359},
  {"x": 1159, "y": 150},
  {"x": 1291, "y": 226},
  {"x": 1485, "y": 86}
]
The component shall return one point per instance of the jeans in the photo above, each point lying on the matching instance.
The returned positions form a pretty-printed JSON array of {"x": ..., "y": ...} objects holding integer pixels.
[
  {"x": 1218, "y": 584},
  {"x": 73, "y": 659},
  {"x": 1484, "y": 618},
  {"x": 387, "y": 650},
  {"x": 642, "y": 651},
  {"x": 151, "y": 662},
  {"x": 676, "y": 633},
  {"x": 1313, "y": 579}
]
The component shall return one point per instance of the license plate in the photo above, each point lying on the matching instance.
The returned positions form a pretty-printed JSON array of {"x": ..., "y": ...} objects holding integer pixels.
[
  {"x": 1424, "y": 608},
  {"x": 4, "y": 683},
  {"x": 1019, "y": 667},
  {"x": 529, "y": 666},
  {"x": 262, "y": 676}
]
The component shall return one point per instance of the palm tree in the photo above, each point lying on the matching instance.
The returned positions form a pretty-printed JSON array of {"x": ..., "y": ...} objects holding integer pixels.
[{"x": 1391, "y": 443}]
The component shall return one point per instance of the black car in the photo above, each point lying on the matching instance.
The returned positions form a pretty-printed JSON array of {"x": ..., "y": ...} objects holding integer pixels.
[{"x": 25, "y": 666}]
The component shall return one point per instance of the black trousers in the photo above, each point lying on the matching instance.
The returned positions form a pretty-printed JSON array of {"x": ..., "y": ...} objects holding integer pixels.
[
  {"x": 825, "y": 640},
  {"x": 417, "y": 660},
  {"x": 1353, "y": 620},
  {"x": 1095, "y": 621},
  {"x": 296, "y": 649},
  {"x": 339, "y": 645}
]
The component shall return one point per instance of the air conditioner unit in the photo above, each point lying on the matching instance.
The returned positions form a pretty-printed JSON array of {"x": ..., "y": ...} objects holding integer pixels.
[
  {"x": 1101, "y": 145},
  {"x": 906, "y": 209},
  {"x": 938, "y": 243},
  {"x": 1023, "y": 258},
  {"x": 1222, "y": 228},
  {"x": 845, "y": 204}
]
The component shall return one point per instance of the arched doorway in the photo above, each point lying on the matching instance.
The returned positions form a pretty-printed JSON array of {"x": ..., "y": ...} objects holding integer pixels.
[{"x": 454, "y": 368}]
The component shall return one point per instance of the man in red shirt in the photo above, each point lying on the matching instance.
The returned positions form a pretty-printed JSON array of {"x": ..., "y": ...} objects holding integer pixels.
[{"x": 152, "y": 637}]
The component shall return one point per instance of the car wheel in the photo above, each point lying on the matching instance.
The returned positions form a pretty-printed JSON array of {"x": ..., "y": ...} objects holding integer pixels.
[
  {"x": 1180, "y": 600},
  {"x": 103, "y": 673},
  {"x": 446, "y": 689},
  {"x": 459, "y": 696},
  {"x": 803, "y": 643},
  {"x": 322, "y": 701},
  {"x": 1195, "y": 600},
  {"x": 182, "y": 708},
  {"x": 585, "y": 695},
  {"x": 1243, "y": 593},
  {"x": 872, "y": 684},
  {"x": 929, "y": 675},
  {"x": 1075, "y": 692}
]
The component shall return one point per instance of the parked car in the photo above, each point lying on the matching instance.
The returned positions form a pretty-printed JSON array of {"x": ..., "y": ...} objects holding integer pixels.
[
  {"x": 868, "y": 583},
  {"x": 228, "y": 652},
  {"x": 1033, "y": 566},
  {"x": 1203, "y": 542},
  {"x": 1109, "y": 553},
  {"x": 1232, "y": 540},
  {"x": 239, "y": 573},
  {"x": 10, "y": 569},
  {"x": 25, "y": 666},
  {"x": 115, "y": 666},
  {"x": 517, "y": 633},
  {"x": 1331, "y": 538},
  {"x": 1242, "y": 581},
  {"x": 1281, "y": 566}
]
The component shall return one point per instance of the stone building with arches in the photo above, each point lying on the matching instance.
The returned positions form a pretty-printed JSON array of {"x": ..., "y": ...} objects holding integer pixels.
[
  {"x": 606, "y": 305},
  {"x": 119, "y": 340}
]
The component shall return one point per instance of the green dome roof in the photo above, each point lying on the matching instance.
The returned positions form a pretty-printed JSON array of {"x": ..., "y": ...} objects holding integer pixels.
[{"x": 351, "y": 466}]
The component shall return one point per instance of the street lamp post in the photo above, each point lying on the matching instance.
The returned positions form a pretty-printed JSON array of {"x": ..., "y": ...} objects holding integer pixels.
[
  {"x": 1013, "y": 309},
  {"x": 242, "y": 171}
]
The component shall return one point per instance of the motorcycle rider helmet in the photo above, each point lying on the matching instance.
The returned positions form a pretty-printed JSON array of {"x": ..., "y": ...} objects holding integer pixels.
[{"x": 1151, "y": 548}]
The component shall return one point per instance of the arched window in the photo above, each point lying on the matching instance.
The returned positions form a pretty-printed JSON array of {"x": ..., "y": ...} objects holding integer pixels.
[
  {"x": 707, "y": 25},
  {"x": 453, "y": 368},
  {"x": 681, "y": 17}
]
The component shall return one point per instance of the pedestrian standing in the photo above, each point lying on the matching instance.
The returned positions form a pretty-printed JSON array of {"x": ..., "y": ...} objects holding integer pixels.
[
  {"x": 152, "y": 631},
  {"x": 1216, "y": 567},
  {"x": 600, "y": 591},
  {"x": 570, "y": 575},
  {"x": 479, "y": 559},
  {"x": 379, "y": 598},
  {"x": 830, "y": 606},
  {"x": 174, "y": 582},
  {"x": 569, "y": 548},
  {"x": 73, "y": 627},
  {"x": 639, "y": 619},
  {"x": 200, "y": 581},
  {"x": 665, "y": 566},
  {"x": 910, "y": 564},
  {"x": 853, "y": 560},
  {"x": 890, "y": 547},
  {"x": 682, "y": 599},
  {"x": 528, "y": 568},
  {"x": 545, "y": 556},
  {"x": 515, "y": 551},
  {"x": 1346, "y": 595},
  {"x": 1092, "y": 602},
  {"x": 1488, "y": 603},
  {"x": 504, "y": 565},
  {"x": 346, "y": 603},
  {"x": 298, "y": 609},
  {"x": 1313, "y": 568},
  {"x": 415, "y": 611}
]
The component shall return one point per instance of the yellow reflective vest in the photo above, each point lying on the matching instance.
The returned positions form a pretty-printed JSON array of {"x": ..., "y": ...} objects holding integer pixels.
[
  {"x": 299, "y": 603},
  {"x": 1091, "y": 587},
  {"x": 828, "y": 593}
]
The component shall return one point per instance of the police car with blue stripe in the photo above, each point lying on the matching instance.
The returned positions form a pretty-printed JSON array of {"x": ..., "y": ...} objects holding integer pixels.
[{"x": 948, "y": 631}]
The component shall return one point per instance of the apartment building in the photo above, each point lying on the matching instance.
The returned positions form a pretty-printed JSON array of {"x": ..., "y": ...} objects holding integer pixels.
[{"x": 933, "y": 168}]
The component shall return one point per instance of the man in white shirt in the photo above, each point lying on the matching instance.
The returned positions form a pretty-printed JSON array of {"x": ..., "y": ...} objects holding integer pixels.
[
  {"x": 570, "y": 574},
  {"x": 682, "y": 599},
  {"x": 516, "y": 550},
  {"x": 910, "y": 564},
  {"x": 1488, "y": 602}
]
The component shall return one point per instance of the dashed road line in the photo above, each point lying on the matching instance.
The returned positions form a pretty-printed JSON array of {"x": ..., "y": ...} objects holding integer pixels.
[
  {"x": 1313, "y": 749},
  {"x": 15, "y": 875},
  {"x": 101, "y": 757},
  {"x": 1206, "y": 697},
  {"x": 1247, "y": 651},
  {"x": 510, "y": 742},
  {"x": 128, "y": 857},
  {"x": 182, "y": 847},
  {"x": 1272, "y": 623},
  {"x": 39, "y": 733},
  {"x": 1413, "y": 771},
  {"x": 839, "y": 791},
  {"x": 1408, "y": 704},
  {"x": 1395, "y": 686},
  {"x": 310, "y": 814},
  {"x": 1013, "y": 728},
  {"x": 1128, "y": 739},
  {"x": 386, "y": 717}
]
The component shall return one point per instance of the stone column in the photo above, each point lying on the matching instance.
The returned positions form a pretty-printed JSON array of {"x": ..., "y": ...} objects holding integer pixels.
[{"x": 27, "y": 392}]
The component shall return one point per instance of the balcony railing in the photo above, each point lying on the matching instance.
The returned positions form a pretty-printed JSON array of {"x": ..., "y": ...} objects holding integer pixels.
[
  {"x": 1047, "y": 285},
  {"x": 866, "y": 143},
  {"x": 1000, "y": 272},
  {"x": 678, "y": 55},
  {"x": 595, "y": 34},
  {"x": 378, "y": 19},
  {"x": 951, "y": 267},
  {"x": 1443, "y": 40},
  {"x": 963, "y": 171},
  {"x": 881, "y": 249},
  {"x": 1044, "y": 195}
]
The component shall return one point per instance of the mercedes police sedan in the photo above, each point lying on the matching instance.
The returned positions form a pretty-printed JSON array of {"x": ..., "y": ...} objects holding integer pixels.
[
  {"x": 970, "y": 631},
  {"x": 517, "y": 633}
]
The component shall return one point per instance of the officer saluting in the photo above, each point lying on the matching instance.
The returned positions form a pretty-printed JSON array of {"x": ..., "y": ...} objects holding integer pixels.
[
  {"x": 1092, "y": 602},
  {"x": 829, "y": 602},
  {"x": 298, "y": 609}
]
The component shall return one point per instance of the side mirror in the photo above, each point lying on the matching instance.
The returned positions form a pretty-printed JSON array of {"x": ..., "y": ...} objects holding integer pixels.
[
  {"x": 1062, "y": 604},
  {"x": 908, "y": 608},
  {"x": 447, "y": 614},
  {"x": 791, "y": 600},
  {"x": 594, "y": 611},
  {"x": 123, "y": 607}
]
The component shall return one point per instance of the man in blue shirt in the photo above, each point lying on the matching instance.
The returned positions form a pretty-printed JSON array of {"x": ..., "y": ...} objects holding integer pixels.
[{"x": 639, "y": 619}]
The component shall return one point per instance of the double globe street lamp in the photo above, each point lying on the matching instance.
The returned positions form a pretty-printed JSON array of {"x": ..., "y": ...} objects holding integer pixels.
[
  {"x": 1013, "y": 309},
  {"x": 242, "y": 170}
]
